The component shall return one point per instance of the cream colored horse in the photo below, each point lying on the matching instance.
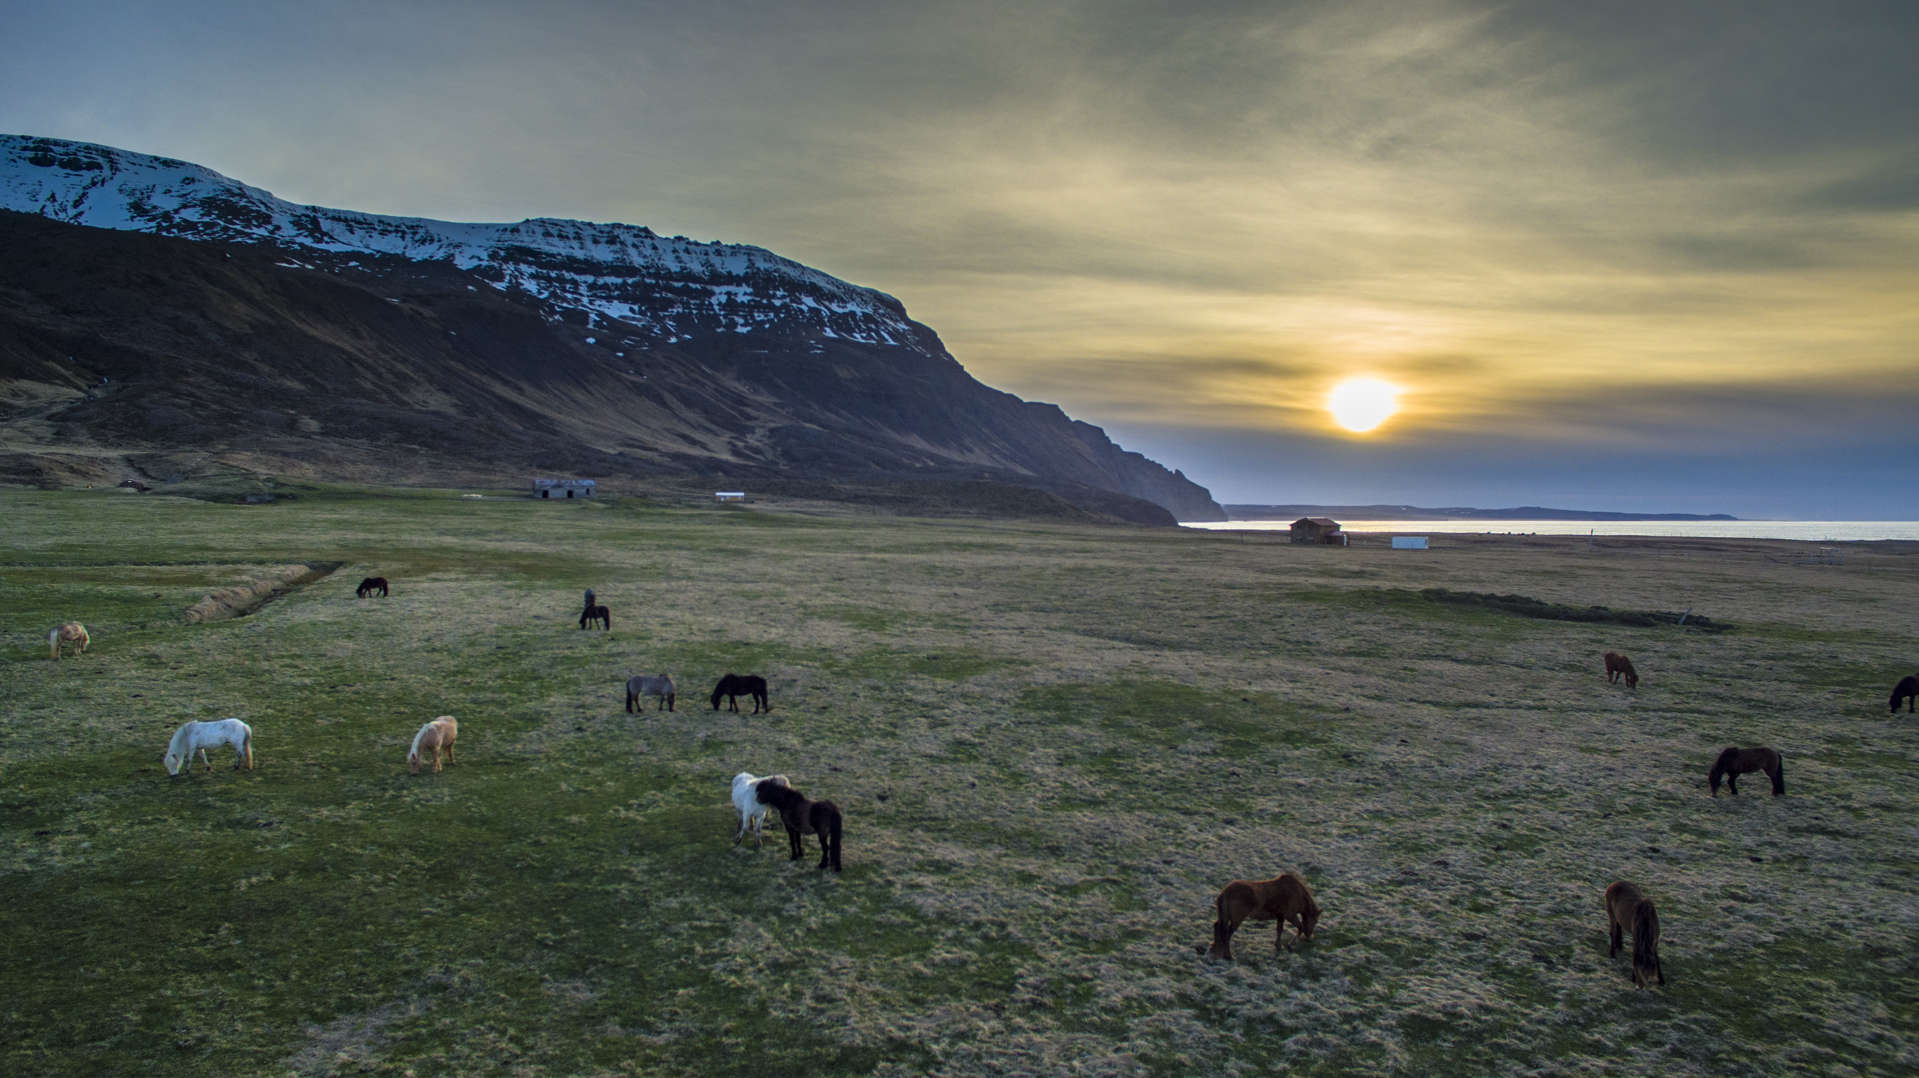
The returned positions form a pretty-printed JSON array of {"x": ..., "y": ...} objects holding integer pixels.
[
  {"x": 752, "y": 809},
  {"x": 433, "y": 737},
  {"x": 71, "y": 632}
]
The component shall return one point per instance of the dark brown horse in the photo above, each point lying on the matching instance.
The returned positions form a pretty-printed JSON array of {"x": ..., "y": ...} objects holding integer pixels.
[
  {"x": 1284, "y": 898},
  {"x": 734, "y": 686},
  {"x": 1735, "y": 761},
  {"x": 1626, "y": 908},
  {"x": 370, "y": 585},
  {"x": 1618, "y": 665},
  {"x": 803, "y": 817},
  {"x": 597, "y": 613},
  {"x": 1907, "y": 690}
]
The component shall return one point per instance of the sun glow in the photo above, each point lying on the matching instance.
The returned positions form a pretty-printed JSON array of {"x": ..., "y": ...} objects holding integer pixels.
[{"x": 1360, "y": 404}]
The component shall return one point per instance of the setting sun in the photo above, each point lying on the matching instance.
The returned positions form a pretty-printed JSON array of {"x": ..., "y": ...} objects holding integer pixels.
[{"x": 1360, "y": 404}]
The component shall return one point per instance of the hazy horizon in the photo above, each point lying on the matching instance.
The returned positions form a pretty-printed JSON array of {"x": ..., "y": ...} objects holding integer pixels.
[{"x": 1625, "y": 257}]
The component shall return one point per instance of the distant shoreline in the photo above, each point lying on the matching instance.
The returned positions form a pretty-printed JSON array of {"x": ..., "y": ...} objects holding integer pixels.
[{"x": 1414, "y": 512}]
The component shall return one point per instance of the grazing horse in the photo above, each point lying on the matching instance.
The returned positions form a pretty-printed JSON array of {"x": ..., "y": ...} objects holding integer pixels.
[
  {"x": 733, "y": 686},
  {"x": 198, "y": 737},
  {"x": 645, "y": 685},
  {"x": 433, "y": 738},
  {"x": 370, "y": 585},
  {"x": 1627, "y": 908},
  {"x": 597, "y": 613},
  {"x": 1618, "y": 665},
  {"x": 802, "y": 817},
  {"x": 752, "y": 810},
  {"x": 1736, "y": 761},
  {"x": 1907, "y": 690},
  {"x": 1283, "y": 898},
  {"x": 72, "y": 632}
]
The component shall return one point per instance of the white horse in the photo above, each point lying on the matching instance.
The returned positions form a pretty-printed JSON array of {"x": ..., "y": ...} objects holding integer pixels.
[
  {"x": 198, "y": 737},
  {"x": 433, "y": 737},
  {"x": 71, "y": 632},
  {"x": 746, "y": 799}
]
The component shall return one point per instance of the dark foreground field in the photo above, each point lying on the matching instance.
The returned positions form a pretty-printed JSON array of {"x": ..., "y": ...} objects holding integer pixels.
[{"x": 1053, "y": 745}]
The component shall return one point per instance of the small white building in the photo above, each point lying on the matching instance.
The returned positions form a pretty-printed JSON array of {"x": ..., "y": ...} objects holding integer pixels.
[
  {"x": 729, "y": 495},
  {"x": 563, "y": 488},
  {"x": 1409, "y": 542}
]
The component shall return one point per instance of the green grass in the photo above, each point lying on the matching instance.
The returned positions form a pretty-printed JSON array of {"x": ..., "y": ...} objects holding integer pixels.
[{"x": 1053, "y": 745}]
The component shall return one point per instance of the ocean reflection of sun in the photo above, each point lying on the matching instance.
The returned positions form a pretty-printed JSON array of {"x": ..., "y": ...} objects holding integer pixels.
[{"x": 1360, "y": 404}]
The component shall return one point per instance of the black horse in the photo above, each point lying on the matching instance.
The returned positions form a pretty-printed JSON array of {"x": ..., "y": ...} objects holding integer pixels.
[
  {"x": 370, "y": 585},
  {"x": 803, "y": 817},
  {"x": 597, "y": 613},
  {"x": 733, "y": 686},
  {"x": 1907, "y": 690},
  {"x": 1735, "y": 761}
]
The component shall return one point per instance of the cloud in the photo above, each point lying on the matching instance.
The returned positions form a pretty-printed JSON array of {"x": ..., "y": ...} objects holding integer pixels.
[{"x": 1608, "y": 224}]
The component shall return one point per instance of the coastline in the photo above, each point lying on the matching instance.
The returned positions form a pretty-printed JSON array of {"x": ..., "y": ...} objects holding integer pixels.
[{"x": 1794, "y": 531}]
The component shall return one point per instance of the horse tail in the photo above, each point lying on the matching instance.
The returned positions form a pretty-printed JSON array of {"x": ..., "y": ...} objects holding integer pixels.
[
  {"x": 629, "y": 698},
  {"x": 246, "y": 746},
  {"x": 833, "y": 822},
  {"x": 53, "y": 641},
  {"x": 1778, "y": 775}
]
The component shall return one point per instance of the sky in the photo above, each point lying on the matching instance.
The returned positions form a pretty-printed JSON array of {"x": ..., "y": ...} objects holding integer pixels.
[{"x": 1655, "y": 257}]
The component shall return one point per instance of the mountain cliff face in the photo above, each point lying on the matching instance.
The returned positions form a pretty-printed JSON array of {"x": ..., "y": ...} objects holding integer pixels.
[{"x": 189, "y": 312}]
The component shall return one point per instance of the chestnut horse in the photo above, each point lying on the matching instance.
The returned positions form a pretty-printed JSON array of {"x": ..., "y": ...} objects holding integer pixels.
[
  {"x": 803, "y": 817},
  {"x": 369, "y": 586},
  {"x": 1618, "y": 665},
  {"x": 1907, "y": 690},
  {"x": 1283, "y": 898},
  {"x": 1627, "y": 908},
  {"x": 434, "y": 737},
  {"x": 1735, "y": 761},
  {"x": 72, "y": 632}
]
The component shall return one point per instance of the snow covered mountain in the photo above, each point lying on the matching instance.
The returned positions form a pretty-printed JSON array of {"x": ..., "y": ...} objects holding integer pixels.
[
  {"x": 608, "y": 271},
  {"x": 151, "y": 308}
]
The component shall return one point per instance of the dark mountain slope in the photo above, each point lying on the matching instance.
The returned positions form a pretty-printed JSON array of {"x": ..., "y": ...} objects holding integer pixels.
[
  {"x": 121, "y": 349},
  {"x": 194, "y": 314}
]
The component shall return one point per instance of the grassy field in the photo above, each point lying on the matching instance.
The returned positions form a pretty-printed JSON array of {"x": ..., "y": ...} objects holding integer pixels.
[{"x": 1053, "y": 745}]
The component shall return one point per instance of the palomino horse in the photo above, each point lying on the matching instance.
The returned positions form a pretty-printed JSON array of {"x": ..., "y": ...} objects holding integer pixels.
[
  {"x": 72, "y": 632},
  {"x": 1627, "y": 908},
  {"x": 597, "y": 613},
  {"x": 1284, "y": 898},
  {"x": 1618, "y": 665},
  {"x": 1735, "y": 761},
  {"x": 802, "y": 817},
  {"x": 645, "y": 685},
  {"x": 369, "y": 586},
  {"x": 746, "y": 798},
  {"x": 197, "y": 737},
  {"x": 434, "y": 738},
  {"x": 734, "y": 686},
  {"x": 1907, "y": 690}
]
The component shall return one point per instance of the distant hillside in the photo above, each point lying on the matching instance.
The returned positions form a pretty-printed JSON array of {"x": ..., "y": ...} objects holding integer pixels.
[
  {"x": 1415, "y": 512},
  {"x": 157, "y": 318}
]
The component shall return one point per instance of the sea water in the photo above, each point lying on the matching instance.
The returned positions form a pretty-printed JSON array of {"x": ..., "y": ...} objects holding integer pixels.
[{"x": 1822, "y": 531}]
